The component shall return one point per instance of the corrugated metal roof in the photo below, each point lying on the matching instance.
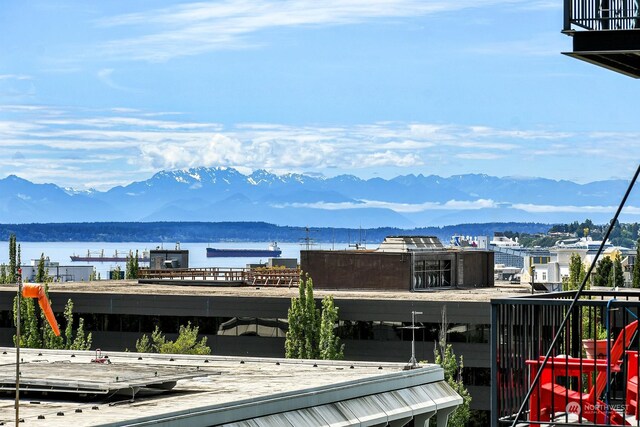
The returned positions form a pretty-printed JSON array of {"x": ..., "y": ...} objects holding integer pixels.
[
  {"x": 367, "y": 409},
  {"x": 336, "y": 416},
  {"x": 410, "y": 243},
  {"x": 442, "y": 394},
  {"x": 370, "y": 410}
]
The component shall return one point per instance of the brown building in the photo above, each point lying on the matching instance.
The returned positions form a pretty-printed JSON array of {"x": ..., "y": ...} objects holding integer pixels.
[{"x": 414, "y": 263}]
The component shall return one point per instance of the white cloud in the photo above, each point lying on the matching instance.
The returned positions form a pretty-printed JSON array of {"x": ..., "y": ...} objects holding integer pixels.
[
  {"x": 15, "y": 77},
  {"x": 143, "y": 144},
  {"x": 574, "y": 209},
  {"x": 387, "y": 158},
  {"x": 479, "y": 156},
  {"x": 399, "y": 207},
  {"x": 195, "y": 28},
  {"x": 106, "y": 76}
]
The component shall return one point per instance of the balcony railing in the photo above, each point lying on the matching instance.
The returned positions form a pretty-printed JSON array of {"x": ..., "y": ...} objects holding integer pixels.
[
  {"x": 601, "y": 15},
  {"x": 573, "y": 387}
]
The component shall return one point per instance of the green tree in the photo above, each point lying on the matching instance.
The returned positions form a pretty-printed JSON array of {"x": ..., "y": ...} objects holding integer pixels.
[
  {"x": 78, "y": 339},
  {"x": 303, "y": 334},
  {"x": 136, "y": 265},
  {"x": 129, "y": 266},
  {"x": 132, "y": 266},
  {"x": 636, "y": 267},
  {"x": 593, "y": 324},
  {"x": 35, "y": 331},
  {"x": 144, "y": 344},
  {"x": 577, "y": 273},
  {"x": 452, "y": 366},
  {"x": 116, "y": 273},
  {"x": 603, "y": 272},
  {"x": 329, "y": 343},
  {"x": 29, "y": 331},
  {"x": 3, "y": 273},
  {"x": 42, "y": 273},
  {"x": 617, "y": 273},
  {"x": 311, "y": 333},
  {"x": 12, "y": 272},
  {"x": 453, "y": 376},
  {"x": 186, "y": 343}
]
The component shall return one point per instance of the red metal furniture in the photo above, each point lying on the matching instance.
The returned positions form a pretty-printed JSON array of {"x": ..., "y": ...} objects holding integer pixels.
[
  {"x": 549, "y": 396},
  {"x": 632, "y": 383}
]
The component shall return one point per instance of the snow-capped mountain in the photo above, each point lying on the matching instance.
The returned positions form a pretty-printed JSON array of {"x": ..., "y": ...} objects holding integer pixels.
[{"x": 225, "y": 194}]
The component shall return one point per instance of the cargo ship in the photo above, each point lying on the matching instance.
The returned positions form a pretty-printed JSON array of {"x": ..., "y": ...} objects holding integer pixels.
[
  {"x": 99, "y": 256},
  {"x": 272, "y": 251}
]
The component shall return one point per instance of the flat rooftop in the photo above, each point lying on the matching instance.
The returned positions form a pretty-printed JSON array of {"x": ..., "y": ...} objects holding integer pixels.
[
  {"x": 501, "y": 290},
  {"x": 147, "y": 389}
]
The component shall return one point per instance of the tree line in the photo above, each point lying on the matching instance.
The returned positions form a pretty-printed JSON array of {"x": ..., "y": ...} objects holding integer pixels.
[
  {"x": 622, "y": 234},
  {"x": 206, "y": 232}
]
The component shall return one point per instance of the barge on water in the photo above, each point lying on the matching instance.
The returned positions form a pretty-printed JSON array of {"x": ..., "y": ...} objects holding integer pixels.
[
  {"x": 99, "y": 256},
  {"x": 272, "y": 251}
]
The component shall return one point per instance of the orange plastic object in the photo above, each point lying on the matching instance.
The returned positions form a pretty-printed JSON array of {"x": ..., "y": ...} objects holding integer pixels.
[{"x": 32, "y": 290}]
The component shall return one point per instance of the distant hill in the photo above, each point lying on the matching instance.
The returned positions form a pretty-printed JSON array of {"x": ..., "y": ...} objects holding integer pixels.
[
  {"x": 345, "y": 201},
  {"x": 239, "y": 231}
]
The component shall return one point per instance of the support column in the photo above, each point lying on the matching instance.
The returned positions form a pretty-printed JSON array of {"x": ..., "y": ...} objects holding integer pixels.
[
  {"x": 422, "y": 420},
  {"x": 443, "y": 416},
  {"x": 400, "y": 422}
]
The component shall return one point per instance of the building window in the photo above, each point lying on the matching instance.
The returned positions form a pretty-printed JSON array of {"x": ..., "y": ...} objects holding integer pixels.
[
  {"x": 541, "y": 259},
  {"x": 432, "y": 273}
]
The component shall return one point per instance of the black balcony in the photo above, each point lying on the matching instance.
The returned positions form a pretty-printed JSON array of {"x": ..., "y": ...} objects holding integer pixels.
[
  {"x": 574, "y": 387},
  {"x": 605, "y": 33}
]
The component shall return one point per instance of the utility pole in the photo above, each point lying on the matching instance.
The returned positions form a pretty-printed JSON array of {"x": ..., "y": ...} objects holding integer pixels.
[
  {"x": 413, "y": 363},
  {"x": 532, "y": 272},
  {"x": 19, "y": 280}
]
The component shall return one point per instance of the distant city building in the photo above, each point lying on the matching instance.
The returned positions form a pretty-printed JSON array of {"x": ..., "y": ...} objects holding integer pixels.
[
  {"x": 554, "y": 267},
  {"x": 168, "y": 258},
  {"x": 57, "y": 272},
  {"x": 282, "y": 262},
  {"x": 508, "y": 252},
  {"x": 415, "y": 263}
]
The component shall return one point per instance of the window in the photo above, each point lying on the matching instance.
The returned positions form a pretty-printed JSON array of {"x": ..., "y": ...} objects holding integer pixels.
[{"x": 431, "y": 273}]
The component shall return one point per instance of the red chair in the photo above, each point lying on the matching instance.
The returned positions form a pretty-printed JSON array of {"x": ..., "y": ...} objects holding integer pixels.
[
  {"x": 549, "y": 397},
  {"x": 632, "y": 383}
]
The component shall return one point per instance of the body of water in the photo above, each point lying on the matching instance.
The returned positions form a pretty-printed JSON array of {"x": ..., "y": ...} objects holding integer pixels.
[{"x": 61, "y": 252}]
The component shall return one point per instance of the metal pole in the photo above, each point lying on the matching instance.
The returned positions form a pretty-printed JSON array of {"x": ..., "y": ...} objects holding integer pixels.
[
  {"x": 413, "y": 339},
  {"x": 413, "y": 361},
  {"x": 18, "y": 346},
  {"x": 532, "y": 270}
]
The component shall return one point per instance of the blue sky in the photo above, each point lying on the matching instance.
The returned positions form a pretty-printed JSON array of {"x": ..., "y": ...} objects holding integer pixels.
[{"x": 97, "y": 94}]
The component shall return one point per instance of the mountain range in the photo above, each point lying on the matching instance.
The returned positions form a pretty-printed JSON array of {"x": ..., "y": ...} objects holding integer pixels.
[{"x": 225, "y": 194}]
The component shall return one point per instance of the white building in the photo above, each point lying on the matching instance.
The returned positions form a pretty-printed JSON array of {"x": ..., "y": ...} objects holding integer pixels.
[
  {"x": 58, "y": 273},
  {"x": 553, "y": 268}
]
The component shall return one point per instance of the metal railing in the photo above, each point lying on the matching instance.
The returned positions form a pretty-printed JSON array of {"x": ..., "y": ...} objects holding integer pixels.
[
  {"x": 523, "y": 329},
  {"x": 596, "y": 15},
  {"x": 274, "y": 277},
  {"x": 257, "y": 276},
  {"x": 216, "y": 274}
]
